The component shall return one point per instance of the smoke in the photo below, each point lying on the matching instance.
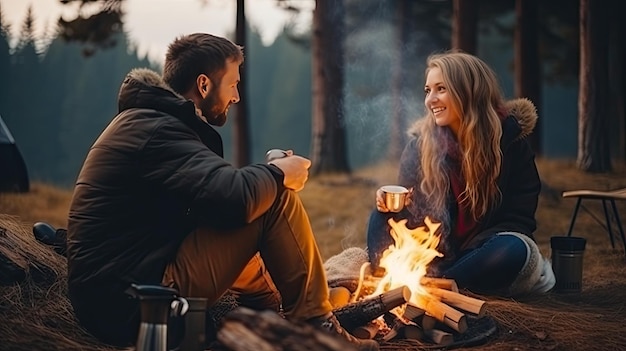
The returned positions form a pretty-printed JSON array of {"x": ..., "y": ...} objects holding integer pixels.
[{"x": 372, "y": 54}]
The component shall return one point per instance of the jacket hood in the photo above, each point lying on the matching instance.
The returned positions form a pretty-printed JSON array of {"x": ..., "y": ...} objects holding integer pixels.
[
  {"x": 525, "y": 112},
  {"x": 144, "y": 88}
]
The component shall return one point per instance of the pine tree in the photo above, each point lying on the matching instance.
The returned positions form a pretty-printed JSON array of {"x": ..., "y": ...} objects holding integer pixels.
[
  {"x": 5, "y": 62},
  {"x": 26, "y": 110}
]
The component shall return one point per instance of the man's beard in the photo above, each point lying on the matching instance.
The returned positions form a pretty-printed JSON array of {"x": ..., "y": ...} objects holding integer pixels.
[{"x": 214, "y": 112}]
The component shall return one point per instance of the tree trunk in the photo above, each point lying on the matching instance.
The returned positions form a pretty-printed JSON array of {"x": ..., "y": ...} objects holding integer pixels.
[
  {"x": 465, "y": 25},
  {"x": 241, "y": 130},
  {"x": 617, "y": 72},
  {"x": 329, "y": 146},
  {"x": 398, "y": 137},
  {"x": 593, "y": 137},
  {"x": 527, "y": 64}
]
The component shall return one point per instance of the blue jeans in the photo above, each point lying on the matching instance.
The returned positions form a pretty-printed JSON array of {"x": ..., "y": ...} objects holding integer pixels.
[{"x": 486, "y": 269}]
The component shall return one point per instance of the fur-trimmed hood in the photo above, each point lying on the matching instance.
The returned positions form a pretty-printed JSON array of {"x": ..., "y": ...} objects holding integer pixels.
[
  {"x": 151, "y": 78},
  {"x": 144, "y": 88},
  {"x": 525, "y": 112}
]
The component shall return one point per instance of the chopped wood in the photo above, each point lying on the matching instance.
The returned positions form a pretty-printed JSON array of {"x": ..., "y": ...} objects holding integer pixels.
[
  {"x": 413, "y": 332},
  {"x": 339, "y": 296},
  {"x": 443, "y": 313},
  {"x": 360, "y": 313},
  {"x": 392, "y": 333},
  {"x": 426, "y": 321},
  {"x": 442, "y": 283},
  {"x": 402, "y": 328},
  {"x": 454, "y": 318},
  {"x": 460, "y": 301},
  {"x": 419, "y": 316},
  {"x": 367, "y": 331},
  {"x": 432, "y": 306},
  {"x": 439, "y": 337},
  {"x": 411, "y": 311},
  {"x": 395, "y": 297},
  {"x": 396, "y": 324}
]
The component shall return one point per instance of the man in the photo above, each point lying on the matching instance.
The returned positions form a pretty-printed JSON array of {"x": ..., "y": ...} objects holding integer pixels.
[{"x": 156, "y": 203}]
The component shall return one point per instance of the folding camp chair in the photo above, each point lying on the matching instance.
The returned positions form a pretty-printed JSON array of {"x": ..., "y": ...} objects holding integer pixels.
[{"x": 606, "y": 197}]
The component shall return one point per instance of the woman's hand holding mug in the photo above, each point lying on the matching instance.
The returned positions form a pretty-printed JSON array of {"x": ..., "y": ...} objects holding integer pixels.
[{"x": 392, "y": 198}]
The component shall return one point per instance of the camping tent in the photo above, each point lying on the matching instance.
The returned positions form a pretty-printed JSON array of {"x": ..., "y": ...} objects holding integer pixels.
[{"x": 13, "y": 174}]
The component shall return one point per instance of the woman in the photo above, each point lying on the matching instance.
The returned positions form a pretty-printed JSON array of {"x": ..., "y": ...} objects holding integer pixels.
[{"x": 470, "y": 167}]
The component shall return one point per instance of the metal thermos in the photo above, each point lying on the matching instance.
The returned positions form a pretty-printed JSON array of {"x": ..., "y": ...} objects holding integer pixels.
[
  {"x": 157, "y": 304},
  {"x": 567, "y": 263}
]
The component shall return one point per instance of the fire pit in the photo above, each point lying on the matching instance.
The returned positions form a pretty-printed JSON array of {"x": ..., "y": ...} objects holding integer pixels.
[
  {"x": 401, "y": 305},
  {"x": 396, "y": 323},
  {"x": 478, "y": 332},
  {"x": 400, "y": 308}
]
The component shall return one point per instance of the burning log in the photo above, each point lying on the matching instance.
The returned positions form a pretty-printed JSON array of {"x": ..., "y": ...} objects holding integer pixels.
[
  {"x": 442, "y": 283},
  {"x": 339, "y": 296},
  {"x": 443, "y": 313},
  {"x": 460, "y": 301},
  {"x": 433, "y": 301},
  {"x": 395, "y": 323},
  {"x": 360, "y": 313},
  {"x": 419, "y": 317},
  {"x": 412, "y": 312},
  {"x": 401, "y": 327}
]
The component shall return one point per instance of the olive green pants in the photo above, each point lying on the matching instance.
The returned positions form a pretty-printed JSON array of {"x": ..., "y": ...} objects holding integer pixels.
[{"x": 276, "y": 252}]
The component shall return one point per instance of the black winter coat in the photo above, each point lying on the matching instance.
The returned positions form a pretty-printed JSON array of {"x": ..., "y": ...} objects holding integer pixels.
[
  {"x": 155, "y": 173},
  {"x": 518, "y": 182}
]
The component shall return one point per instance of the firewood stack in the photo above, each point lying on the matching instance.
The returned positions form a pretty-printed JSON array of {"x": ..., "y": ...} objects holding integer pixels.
[
  {"x": 435, "y": 318},
  {"x": 245, "y": 329}
]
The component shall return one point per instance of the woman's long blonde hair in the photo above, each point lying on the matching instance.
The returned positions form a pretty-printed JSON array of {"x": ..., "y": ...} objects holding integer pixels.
[{"x": 475, "y": 91}]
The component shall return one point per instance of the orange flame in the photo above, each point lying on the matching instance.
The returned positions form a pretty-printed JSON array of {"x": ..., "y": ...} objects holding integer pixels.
[{"x": 405, "y": 261}]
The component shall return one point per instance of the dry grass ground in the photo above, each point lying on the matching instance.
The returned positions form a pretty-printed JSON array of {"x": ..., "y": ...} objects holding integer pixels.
[{"x": 338, "y": 209}]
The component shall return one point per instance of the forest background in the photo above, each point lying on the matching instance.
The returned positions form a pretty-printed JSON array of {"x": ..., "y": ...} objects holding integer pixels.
[{"x": 58, "y": 97}]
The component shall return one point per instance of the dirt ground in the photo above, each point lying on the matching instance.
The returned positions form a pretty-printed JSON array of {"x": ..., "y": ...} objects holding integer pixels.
[
  {"x": 590, "y": 320},
  {"x": 36, "y": 315}
]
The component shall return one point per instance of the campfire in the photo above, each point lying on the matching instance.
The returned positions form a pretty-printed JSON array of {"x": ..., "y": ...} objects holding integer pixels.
[
  {"x": 403, "y": 302},
  {"x": 400, "y": 306}
]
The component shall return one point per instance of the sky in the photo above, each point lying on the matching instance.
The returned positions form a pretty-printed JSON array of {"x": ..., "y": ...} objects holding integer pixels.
[{"x": 153, "y": 24}]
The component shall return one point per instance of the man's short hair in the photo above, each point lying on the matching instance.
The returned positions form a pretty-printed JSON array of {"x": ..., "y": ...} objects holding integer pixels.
[{"x": 199, "y": 53}]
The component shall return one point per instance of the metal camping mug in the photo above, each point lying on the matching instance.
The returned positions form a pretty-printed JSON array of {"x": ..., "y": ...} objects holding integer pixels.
[
  {"x": 273, "y": 154},
  {"x": 394, "y": 197}
]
